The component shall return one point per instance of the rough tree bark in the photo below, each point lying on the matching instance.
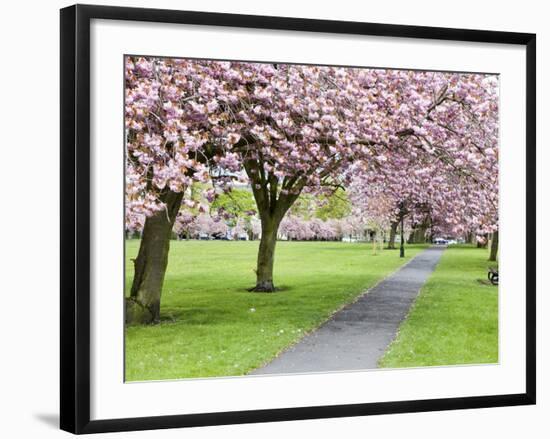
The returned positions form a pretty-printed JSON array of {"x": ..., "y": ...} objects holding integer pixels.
[
  {"x": 272, "y": 205},
  {"x": 266, "y": 255},
  {"x": 143, "y": 305},
  {"x": 393, "y": 232},
  {"x": 494, "y": 247}
]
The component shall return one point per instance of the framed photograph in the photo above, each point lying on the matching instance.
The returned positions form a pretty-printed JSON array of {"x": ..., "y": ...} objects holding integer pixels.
[{"x": 272, "y": 218}]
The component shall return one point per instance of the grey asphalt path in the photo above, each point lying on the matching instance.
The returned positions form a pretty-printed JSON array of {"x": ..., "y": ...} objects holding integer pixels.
[{"x": 357, "y": 335}]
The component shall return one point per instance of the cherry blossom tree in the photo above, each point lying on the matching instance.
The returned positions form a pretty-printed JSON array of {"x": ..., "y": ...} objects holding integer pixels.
[
  {"x": 447, "y": 199},
  {"x": 185, "y": 224},
  {"x": 295, "y": 228},
  {"x": 239, "y": 229},
  {"x": 284, "y": 130}
]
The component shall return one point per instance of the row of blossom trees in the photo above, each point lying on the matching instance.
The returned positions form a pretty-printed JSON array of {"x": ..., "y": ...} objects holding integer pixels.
[
  {"x": 301, "y": 229},
  {"x": 292, "y": 228},
  {"x": 189, "y": 225},
  {"x": 401, "y": 137}
]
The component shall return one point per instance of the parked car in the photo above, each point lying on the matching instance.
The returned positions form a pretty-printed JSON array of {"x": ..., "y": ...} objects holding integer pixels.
[
  {"x": 440, "y": 241},
  {"x": 221, "y": 237}
]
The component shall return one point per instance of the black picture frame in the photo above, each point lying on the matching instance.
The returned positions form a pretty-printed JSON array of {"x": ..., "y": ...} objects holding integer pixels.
[{"x": 75, "y": 217}]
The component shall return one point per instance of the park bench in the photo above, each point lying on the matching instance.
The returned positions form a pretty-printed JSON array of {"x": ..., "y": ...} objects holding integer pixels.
[{"x": 492, "y": 275}]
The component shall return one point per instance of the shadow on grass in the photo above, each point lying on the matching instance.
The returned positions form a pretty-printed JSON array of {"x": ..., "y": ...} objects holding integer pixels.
[
  {"x": 486, "y": 283},
  {"x": 194, "y": 316},
  {"x": 278, "y": 289}
]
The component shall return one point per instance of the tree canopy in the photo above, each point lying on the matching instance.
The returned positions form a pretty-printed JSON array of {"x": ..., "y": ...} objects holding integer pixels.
[{"x": 401, "y": 142}]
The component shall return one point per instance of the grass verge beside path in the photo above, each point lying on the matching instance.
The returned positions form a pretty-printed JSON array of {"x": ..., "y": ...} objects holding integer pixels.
[
  {"x": 454, "y": 319},
  {"x": 211, "y": 326}
]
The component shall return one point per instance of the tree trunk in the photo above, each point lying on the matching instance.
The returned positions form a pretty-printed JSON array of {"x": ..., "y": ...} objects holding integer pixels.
[
  {"x": 143, "y": 305},
  {"x": 413, "y": 235},
  {"x": 494, "y": 247},
  {"x": 266, "y": 256},
  {"x": 273, "y": 199},
  {"x": 421, "y": 235},
  {"x": 393, "y": 232},
  {"x": 418, "y": 233}
]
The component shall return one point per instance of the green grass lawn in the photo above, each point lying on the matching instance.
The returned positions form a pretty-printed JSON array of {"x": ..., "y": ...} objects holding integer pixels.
[
  {"x": 211, "y": 326},
  {"x": 455, "y": 318}
]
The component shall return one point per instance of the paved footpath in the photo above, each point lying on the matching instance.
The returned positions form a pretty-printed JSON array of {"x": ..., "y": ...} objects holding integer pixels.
[{"x": 357, "y": 336}]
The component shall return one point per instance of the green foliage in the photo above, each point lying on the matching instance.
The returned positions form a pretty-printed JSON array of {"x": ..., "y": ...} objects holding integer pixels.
[
  {"x": 236, "y": 202},
  {"x": 455, "y": 318},
  {"x": 197, "y": 189},
  {"x": 334, "y": 206},
  {"x": 324, "y": 207},
  {"x": 304, "y": 206},
  {"x": 211, "y": 326}
]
